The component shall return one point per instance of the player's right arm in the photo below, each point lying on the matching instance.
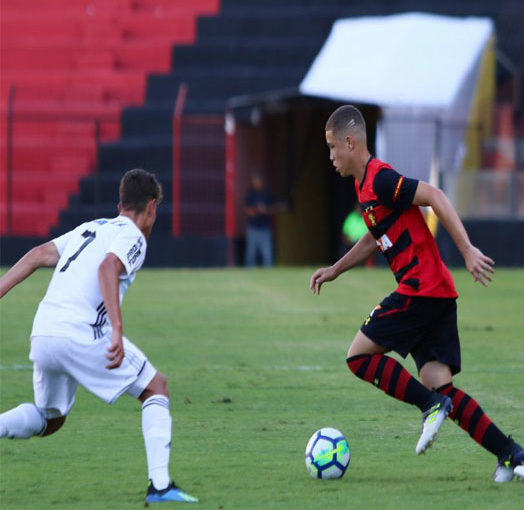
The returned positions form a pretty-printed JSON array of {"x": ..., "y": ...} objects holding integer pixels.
[
  {"x": 365, "y": 247},
  {"x": 44, "y": 255},
  {"x": 109, "y": 272}
]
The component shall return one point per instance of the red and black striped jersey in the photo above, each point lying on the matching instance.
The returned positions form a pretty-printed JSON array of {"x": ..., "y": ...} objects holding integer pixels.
[{"x": 401, "y": 232}]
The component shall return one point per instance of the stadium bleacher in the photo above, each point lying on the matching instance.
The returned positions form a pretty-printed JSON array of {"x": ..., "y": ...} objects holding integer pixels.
[{"x": 68, "y": 69}]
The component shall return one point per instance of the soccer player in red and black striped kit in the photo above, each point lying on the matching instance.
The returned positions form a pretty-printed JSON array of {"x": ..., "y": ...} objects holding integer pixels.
[{"x": 420, "y": 317}]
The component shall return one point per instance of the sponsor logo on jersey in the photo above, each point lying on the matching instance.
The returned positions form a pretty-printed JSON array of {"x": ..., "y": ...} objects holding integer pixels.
[
  {"x": 384, "y": 243},
  {"x": 135, "y": 251}
]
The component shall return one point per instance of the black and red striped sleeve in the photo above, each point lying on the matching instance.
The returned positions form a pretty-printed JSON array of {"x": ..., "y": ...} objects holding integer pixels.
[{"x": 394, "y": 190}]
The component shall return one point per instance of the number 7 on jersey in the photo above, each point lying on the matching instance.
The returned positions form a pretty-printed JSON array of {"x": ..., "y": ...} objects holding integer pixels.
[{"x": 89, "y": 238}]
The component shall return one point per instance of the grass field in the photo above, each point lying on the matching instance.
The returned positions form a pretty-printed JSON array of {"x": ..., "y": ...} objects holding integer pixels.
[{"x": 256, "y": 363}]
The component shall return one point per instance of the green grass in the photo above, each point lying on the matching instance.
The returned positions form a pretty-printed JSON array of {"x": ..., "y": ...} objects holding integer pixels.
[{"x": 256, "y": 363}]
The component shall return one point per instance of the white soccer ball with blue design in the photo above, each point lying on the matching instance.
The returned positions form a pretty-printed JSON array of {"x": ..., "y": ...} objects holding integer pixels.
[{"x": 327, "y": 454}]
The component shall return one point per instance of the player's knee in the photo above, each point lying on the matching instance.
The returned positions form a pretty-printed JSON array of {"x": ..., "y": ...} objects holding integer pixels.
[
  {"x": 157, "y": 386},
  {"x": 435, "y": 374},
  {"x": 353, "y": 351},
  {"x": 161, "y": 384},
  {"x": 362, "y": 344},
  {"x": 53, "y": 424}
]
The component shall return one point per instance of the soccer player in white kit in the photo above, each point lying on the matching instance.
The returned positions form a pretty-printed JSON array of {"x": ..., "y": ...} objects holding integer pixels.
[{"x": 77, "y": 333}]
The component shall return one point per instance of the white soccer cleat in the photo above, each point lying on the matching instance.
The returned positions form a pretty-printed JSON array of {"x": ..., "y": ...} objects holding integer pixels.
[
  {"x": 510, "y": 464},
  {"x": 519, "y": 473},
  {"x": 432, "y": 420},
  {"x": 503, "y": 474}
]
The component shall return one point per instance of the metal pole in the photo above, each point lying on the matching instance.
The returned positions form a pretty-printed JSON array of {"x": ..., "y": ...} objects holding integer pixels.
[
  {"x": 230, "y": 186},
  {"x": 177, "y": 158}
]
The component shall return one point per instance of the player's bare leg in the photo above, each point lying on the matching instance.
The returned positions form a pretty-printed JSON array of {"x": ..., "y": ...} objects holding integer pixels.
[
  {"x": 156, "y": 428},
  {"x": 366, "y": 359},
  {"x": 157, "y": 386},
  {"x": 364, "y": 345},
  {"x": 435, "y": 374},
  {"x": 53, "y": 424}
]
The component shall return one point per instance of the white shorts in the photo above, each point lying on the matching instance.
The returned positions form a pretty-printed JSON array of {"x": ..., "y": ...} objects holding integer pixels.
[{"x": 60, "y": 364}]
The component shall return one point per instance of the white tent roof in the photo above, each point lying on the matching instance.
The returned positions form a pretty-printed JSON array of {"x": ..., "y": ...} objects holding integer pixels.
[{"x": 412, "y": 60}]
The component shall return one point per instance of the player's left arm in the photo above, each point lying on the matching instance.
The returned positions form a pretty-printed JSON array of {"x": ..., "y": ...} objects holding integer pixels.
[
  {"x": 44, "y": 255},
  {"x": 478, "y": 264},
  {"x": 109, "y": 272}
]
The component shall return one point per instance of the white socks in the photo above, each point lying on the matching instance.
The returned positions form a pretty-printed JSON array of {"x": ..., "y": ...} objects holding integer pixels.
[
  {"x": 22, "y": 422},
  {"x": 156, "y": 428}
]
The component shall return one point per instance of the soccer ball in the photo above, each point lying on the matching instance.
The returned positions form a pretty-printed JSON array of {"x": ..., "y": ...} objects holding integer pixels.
[{"x": 327, "y": 454}]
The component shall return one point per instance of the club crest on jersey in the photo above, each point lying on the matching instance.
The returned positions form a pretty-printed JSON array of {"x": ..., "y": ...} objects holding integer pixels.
[
  {"x": 384, "y": 243},
  {"x": 371, "y": 216}
]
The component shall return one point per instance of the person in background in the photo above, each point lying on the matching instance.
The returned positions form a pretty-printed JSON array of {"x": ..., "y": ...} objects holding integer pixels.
[
  {"x": 259, "y": 232},
  {"x": 353, "y": 229}
]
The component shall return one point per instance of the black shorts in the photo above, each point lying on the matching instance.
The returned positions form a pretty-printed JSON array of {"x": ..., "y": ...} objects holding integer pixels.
[{"x": 424, "y": 327}]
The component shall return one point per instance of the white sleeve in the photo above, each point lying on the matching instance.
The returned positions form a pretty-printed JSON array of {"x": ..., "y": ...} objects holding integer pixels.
[
  {"x": 61, "y": 241},
  {"x": 130, "y": 248}
]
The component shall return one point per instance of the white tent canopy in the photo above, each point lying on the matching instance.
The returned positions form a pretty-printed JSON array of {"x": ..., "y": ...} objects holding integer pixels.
[{"x": 421, "y": 69}]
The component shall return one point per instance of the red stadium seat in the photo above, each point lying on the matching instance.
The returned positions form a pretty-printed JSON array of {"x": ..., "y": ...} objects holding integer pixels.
[{"x": 73, "y": 66}]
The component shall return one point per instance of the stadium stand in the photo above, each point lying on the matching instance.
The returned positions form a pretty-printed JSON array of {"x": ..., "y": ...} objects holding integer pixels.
[
  {"x": 68, "y": 69},
  {"x": 123, "y": 63}
]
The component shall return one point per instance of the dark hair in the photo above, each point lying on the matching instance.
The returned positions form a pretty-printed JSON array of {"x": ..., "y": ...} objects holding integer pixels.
[
  {"x": 345, "y": 119},
  {"x": 137, "y": 188}
]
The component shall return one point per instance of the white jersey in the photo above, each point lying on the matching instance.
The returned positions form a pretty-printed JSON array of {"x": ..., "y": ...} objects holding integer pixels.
[{"x": 73, "y": 306}]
